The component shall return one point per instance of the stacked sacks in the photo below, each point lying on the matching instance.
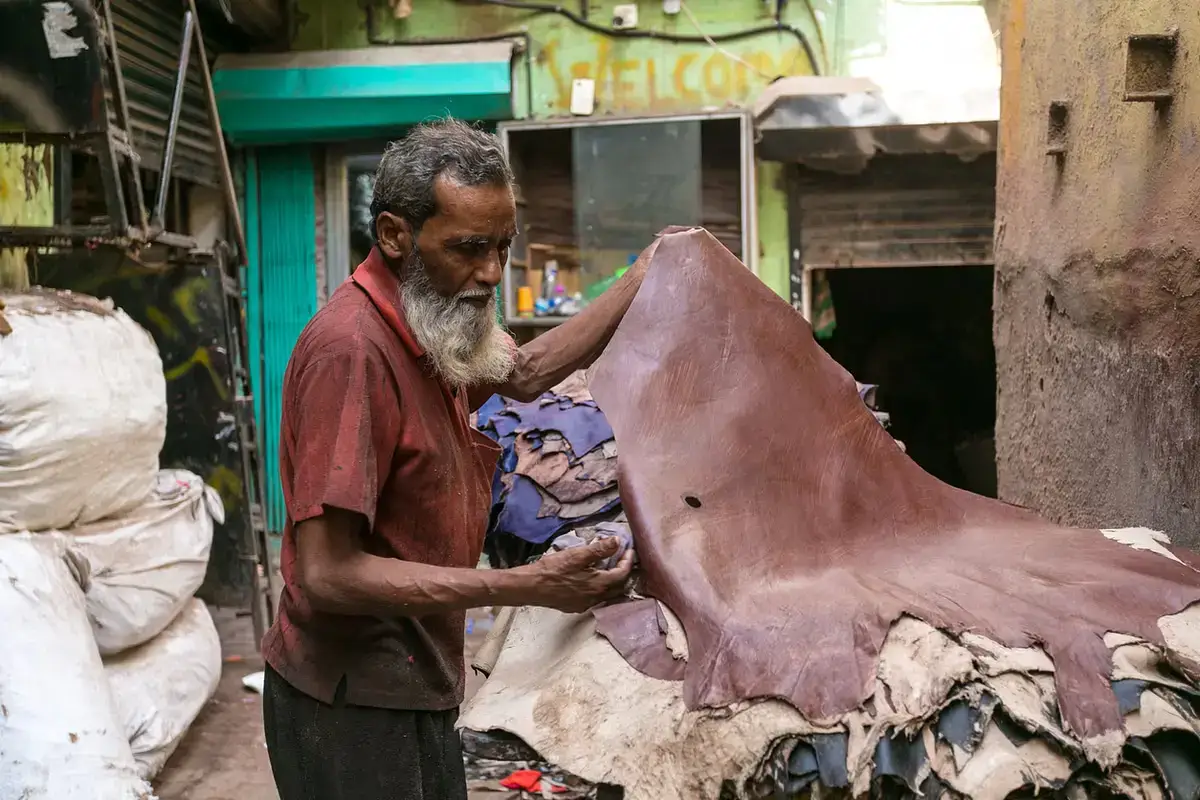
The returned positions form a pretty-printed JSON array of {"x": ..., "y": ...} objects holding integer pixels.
[
  {"x": 160, "y": 687},
  {"x": 106, "y": 543},
  {"x": 58, "y": 736},
  {"x": 162, "y": 654},
  {"x": 557, "y": 469},
  {"x": 83, "y": 411}
]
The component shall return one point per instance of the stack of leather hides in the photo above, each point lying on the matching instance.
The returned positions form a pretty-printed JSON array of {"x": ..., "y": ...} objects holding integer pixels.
[
  {"x": 557, "y": 469},
  {"x": 822, "y": 617}
]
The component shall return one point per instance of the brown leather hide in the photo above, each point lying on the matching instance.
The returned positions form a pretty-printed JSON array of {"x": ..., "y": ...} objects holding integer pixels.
[{"x": 787, "y": 531}]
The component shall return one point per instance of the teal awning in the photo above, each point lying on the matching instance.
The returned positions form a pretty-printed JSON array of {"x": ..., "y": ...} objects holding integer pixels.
[{"x": 329, "y": 95}]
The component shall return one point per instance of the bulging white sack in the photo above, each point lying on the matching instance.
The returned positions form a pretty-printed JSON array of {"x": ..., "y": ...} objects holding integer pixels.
[
  {"x": 148, "y": 563},
  {"x": 83, "y": 411},
  {"x": 160, "y": 687},
  {"x": 59, "y": 735}
]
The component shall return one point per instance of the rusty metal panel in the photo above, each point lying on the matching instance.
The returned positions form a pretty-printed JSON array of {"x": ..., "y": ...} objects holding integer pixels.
[
  {"x": 149, "y": 35},
  {"x": 901, "y": 211}
]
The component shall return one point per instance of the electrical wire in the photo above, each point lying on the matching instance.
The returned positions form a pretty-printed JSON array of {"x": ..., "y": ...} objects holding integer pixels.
[
  {"x": 732, "y": 36},
  {"x": 731, "y": 56},
  {"x": 812, "y": 14},
  {"x": 374, "y": 38}
]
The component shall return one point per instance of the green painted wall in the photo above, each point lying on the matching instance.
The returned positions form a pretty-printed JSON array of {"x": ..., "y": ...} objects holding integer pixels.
[
  {"x": 281, "y": 289},
  {"x": 26, "y": 198},
  {"x": 774, "y": 265},
  {"x": 632, "y": 75}
]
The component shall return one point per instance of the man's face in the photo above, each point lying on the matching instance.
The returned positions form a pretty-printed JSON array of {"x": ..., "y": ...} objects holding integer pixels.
[
  {"x": 464, "y": 245},
  {"x": 449, "y": 272}
]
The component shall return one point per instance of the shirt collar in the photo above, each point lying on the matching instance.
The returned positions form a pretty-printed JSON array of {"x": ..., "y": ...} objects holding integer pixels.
[{"x": 383, "y": 287}]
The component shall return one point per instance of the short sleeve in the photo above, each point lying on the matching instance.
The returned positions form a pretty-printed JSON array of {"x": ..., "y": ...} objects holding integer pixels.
[{"x": 344, "y": 424}]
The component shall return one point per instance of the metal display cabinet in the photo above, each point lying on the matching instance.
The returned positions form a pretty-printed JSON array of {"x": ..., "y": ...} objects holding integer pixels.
[{"x": 627, "y": 178}]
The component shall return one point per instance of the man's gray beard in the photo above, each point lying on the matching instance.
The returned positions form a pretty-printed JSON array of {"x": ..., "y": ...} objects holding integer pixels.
[{"x": 465, "y": 343}]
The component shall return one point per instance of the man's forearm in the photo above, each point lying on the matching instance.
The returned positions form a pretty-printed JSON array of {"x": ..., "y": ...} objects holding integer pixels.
[
  {"x": 575, "y": 344},
  {"x": 387, "y": 587}
]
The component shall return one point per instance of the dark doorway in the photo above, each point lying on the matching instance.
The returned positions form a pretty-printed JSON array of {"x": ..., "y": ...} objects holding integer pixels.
[{"x": 924, "y": 336}]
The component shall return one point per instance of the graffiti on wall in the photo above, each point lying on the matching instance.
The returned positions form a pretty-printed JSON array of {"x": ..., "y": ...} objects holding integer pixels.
[
  {"x": 646, "y": 75},
  {"x": 26, "y": 199}
]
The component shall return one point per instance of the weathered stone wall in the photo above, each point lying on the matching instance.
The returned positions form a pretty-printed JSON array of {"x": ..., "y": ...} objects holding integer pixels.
[{"x": 1097, "y": 296}]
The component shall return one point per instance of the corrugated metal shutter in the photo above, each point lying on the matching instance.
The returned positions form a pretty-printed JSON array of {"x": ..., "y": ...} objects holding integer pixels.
[
  {"x": 901, "y": 211},
  {"x": 148, "y": 37},
  {"x": 282, "y": 289}
]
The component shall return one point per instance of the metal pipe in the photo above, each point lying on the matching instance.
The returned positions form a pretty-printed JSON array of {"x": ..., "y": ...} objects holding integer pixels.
[
  {"x": 119, "y": 214},
  {"x": 214, "y": 118},
  {"x": 168, "y": 155}
]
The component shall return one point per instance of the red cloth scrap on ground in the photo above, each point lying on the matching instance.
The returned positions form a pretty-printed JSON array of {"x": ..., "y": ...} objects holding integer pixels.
[{"x": 528, "y": 780}]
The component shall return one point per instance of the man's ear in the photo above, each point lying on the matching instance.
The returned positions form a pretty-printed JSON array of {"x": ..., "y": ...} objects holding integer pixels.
[{"x": 394, "y": 235}]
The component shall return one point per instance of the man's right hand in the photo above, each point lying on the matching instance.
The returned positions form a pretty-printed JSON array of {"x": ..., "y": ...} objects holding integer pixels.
[{"x": 569, "y": 581}]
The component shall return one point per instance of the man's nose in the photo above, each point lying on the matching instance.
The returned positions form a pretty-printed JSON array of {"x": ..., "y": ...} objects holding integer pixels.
[{"x": 490, "y": 272}]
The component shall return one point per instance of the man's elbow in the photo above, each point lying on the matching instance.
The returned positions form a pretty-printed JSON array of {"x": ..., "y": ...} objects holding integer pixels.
[
  {"x": 520, "y": 391},
  {"x": 321, "y": 588},
  {"x": 523, "y": 384}
]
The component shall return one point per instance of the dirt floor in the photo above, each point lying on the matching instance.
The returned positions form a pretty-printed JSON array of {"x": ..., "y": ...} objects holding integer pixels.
[{"x": 224, "y": 756}]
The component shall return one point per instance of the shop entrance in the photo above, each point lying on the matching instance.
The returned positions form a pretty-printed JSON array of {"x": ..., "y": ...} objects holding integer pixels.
[
  {"x": 894, "y": 269},
  {"x": 924, "y": 336}
]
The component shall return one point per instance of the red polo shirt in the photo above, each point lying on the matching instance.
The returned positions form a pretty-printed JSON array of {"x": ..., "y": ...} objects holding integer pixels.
[{"x": 367, "y": 427}]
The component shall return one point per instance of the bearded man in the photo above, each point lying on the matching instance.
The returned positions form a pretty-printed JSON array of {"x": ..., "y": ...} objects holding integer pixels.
[{"x": 388, "y": 486}]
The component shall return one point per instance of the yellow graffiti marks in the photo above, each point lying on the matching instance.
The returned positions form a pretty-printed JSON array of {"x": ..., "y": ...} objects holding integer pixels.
[
  {"x": 227, "y": 483},
  {"x": 200, "y": 358},
  {"x": 162, "y": 322},
  {"x": 652, "y": 76},
  {"x": 187, "y": 299}
]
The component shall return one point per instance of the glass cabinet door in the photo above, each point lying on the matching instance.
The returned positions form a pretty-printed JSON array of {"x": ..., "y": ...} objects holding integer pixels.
[{"x": 630, "y": 182}]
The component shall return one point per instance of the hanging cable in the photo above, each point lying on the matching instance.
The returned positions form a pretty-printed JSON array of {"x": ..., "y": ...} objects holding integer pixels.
[
  {"x": 373, "y": 37},
  {"x": 731, "y": 56},
  {"x": 732, "y": 36}
]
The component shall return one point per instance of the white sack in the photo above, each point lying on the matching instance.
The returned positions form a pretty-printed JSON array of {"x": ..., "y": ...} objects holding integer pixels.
[
  {"x": 83, "y": 411},
  {"x": 160, "y": 687},
  {"x": 59, "y": 736},
  {"x": 147, "y": 564}
]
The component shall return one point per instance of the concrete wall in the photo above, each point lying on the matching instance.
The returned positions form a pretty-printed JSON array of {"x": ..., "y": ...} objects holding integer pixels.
[{"x": 1097, "y": 296}]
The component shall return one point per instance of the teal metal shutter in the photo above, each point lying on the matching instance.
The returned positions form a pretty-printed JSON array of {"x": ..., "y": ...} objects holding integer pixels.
[{"x": 282, "y": 288}]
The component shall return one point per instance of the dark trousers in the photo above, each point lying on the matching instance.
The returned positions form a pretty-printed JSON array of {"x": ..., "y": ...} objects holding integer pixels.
[{"x": 344, "y": 752}]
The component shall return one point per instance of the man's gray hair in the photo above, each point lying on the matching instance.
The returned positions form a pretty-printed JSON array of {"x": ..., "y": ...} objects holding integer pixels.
[{"x": 410, "y": 167}]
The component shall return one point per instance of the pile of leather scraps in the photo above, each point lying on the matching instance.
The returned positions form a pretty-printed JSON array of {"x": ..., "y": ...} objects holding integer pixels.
[
  {"x": 947, "y": 718},
  {"x": 826, "y": 617},
  {"x": 558, "y": 466}
]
